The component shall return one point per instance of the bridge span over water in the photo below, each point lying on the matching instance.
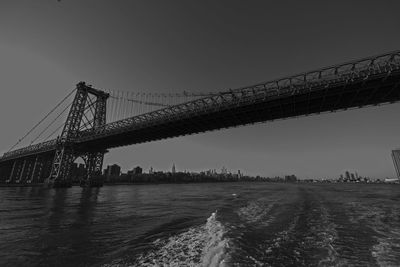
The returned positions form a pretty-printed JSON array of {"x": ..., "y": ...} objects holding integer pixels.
[{"x": 86, "y": 133}]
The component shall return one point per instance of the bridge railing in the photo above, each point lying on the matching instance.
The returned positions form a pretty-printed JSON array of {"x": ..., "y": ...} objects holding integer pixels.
[
  {"x": 33, "y": 149},
  {"x": 346, "y": 71},
  {"x": 357, "y": 70},
  {"x": 354, "y": 71}
]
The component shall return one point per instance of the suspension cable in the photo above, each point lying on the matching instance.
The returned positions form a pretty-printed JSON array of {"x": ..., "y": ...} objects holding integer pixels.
[
  {"x": 51, "y": 123},
  {"x": 58, "y": 128},
  {"x": 45, "y": 117}
]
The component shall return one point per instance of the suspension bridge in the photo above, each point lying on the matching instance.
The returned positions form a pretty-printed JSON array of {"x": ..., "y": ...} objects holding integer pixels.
[{"x": 94, "y": 121}]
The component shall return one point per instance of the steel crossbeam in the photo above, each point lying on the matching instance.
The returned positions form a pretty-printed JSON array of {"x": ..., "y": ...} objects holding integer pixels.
[
  {"x": 372, "y": 80},
  {"x": 322, "y": 79}
]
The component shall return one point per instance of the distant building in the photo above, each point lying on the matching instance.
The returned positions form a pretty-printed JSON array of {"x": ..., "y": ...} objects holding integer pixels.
[
  {"x": 396, "y": 161},
  {"x": 290, "y": 178},
  {"x": 151, "y": 171},
  {"x": 173, "y": 168},
  {"x": 113, "y": 170},
  {"x": 347, "y": 175},
  {"x": 224, "y": 170},
  {"x": 135, "y": 171}
]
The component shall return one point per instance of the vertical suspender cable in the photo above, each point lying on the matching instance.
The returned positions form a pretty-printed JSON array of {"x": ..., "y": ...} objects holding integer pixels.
[
  {"x": 139, "y": 95},
  {"x": 144, "y": 100},
  {"x": 119, "y": 106},
  {"x": 127, "y": 105},
  {"x": 123, "y": 105},
  {"x": 147, "y": 100},
  {"x": 135, "y": 105},
  {"x": 141, "y": 103},
  {"x": 121, "y": 116},
  {"x": 109, "y": 109},
  {"x": 151, "y": 107},
  {"x": 131, "y": 114},
  {"x": 112, "y": 106}
]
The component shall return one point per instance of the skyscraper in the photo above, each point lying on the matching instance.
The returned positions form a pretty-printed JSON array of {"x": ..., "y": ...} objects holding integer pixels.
[
  {"x": 173, "y": 168},
  {"x": 396, "y": 161},
  {"x": 113, "y": 170}
]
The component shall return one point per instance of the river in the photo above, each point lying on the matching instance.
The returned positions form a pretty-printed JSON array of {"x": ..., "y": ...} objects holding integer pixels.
[{"x": 213, "y": 224}]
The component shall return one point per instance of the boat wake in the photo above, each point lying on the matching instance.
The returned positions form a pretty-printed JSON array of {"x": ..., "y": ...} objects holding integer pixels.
[
  {"x": 257, "y": 212},
  {"x": 384, "y": 223},
  {"x": 203, "y": 245}
]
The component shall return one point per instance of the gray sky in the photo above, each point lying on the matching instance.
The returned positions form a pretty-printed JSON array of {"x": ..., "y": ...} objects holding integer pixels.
[{"x": 46, "y": 47}]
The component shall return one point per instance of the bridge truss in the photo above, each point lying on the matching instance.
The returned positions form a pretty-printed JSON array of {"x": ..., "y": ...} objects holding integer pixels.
[{"x": 369, "y": 81}]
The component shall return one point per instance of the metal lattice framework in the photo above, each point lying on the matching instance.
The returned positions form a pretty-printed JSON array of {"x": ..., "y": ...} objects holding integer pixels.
[
  {"x": 369, "y": 81},
  {"x": 357, "y": 72},
  {"x": 85, "y": 113}
]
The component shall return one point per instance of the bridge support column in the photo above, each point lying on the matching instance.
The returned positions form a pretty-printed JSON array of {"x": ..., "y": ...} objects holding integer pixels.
[
  {"x": 20, "y": 175},
  {"x": 88, "y": 112},
  {"x": 5, "y": 170},
  {"x": 45, "y": 166},
  {"x": 94, "y": 164},
  {"x": 30, "y": 178},
  {"x": 16, "y": 171},
  {"x": 12, "y": 172},
  {"x": 28, "y": 171},
  {"x": 59, "y": 176}
]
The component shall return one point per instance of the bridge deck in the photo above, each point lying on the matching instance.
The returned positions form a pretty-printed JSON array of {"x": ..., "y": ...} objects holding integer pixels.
[
  {"x": 370, "y": 81},
  {"x": 381, "y": 89}
]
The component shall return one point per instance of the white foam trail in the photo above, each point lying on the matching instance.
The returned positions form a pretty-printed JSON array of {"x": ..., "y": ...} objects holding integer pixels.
[
  {"x": 327, "y": 234},
  {"x": 203, "y": 245}
]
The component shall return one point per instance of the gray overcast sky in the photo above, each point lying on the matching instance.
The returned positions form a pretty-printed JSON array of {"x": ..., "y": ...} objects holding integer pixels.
[{"x": 46, "y": 47}]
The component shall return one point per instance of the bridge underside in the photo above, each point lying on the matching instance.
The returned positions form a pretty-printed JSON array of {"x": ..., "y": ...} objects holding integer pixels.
[
  {"x": 31, "y": 169},
  {"x": 356, "y": 84},
  {"x": 371, "y": 92},
  {"x": 36, "y": 169}
]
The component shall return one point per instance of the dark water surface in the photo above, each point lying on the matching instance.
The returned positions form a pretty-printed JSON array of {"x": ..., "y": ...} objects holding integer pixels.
[{"x": 224, "y": 224}]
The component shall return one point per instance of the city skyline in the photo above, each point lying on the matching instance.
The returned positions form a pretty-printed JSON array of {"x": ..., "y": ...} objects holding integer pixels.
[
  {"x": 201, "y": 51},
  {"x": 346, "y": 175},
  {"x": 114, "y": 174}
]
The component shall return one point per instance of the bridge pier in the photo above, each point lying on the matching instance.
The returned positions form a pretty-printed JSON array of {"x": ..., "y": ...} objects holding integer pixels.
[
  {"x": 88, "y": 111},
  {"x": 62, "y": 165},
  {"x": 12, "y": 172},
  {"x": 31, "y": 175},
  {"x": 5, "y": 170},
  {"x": 94, "y": 164},
  {"x": 15, "y": 171},
  {"x": 21, "y": 172},
  {"x": 28, "y": 169}
]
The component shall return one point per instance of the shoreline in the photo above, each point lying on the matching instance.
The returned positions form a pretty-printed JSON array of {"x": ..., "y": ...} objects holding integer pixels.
[{"x": 219, "y": 182}]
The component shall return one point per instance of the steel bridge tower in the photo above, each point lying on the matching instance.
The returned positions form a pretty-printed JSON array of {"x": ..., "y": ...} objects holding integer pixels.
[{"x": 87, "y": 112}]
